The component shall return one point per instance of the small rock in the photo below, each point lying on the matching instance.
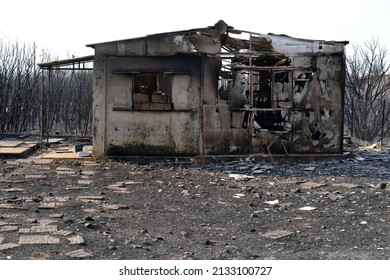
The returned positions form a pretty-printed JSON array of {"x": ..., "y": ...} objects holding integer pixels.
[
  {"x": 209, "y": 242},
  {"x": 382, "y": 185},
  {"x": 91, "y": 225},
  {"x": 307, "y": 208}
]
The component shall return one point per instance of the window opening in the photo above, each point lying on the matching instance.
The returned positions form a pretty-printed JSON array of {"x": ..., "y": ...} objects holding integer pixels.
[{"x": 152, "y": 91}]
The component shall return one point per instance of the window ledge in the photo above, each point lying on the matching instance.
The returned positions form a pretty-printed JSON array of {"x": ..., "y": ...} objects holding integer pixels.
[{"x": 130, "y": 109}]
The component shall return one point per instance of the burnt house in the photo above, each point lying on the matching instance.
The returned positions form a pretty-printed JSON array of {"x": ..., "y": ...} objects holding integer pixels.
[{"x": 218, "y": 90}]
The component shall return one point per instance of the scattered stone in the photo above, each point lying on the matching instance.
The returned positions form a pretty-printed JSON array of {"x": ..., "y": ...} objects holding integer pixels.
[
  {"x": 66, "y": 172},
  {"x": 10, "y": 206},
  {"x": 37, "y": 199},
  {"x": 347, "y": 185},
  {"x": 91, "y": 225},
  {"x": 381, "y": 185},
  {"x": 311, "y": 185},
  {"x": 13, "y": 190},
  {"x": 284, "y": 205},
  {"x": 63, "y": 232},
  {"x": 45, "y": 222},
  {"x": 119, "y": 186},
  {"x": 359, "y": 158},
  {"x": 90, "y": 198},
  {"x": 335, "y": 197},
  {"x": 88, "y": 219},
  {"x": 276, "y": 234},
  {"x": 8, "y": 228},
  {"x": 238, "y": 195},
  {"x": 209, "y": 242},
  {"x": 70, "y": 188},
  {"x": 77, "y": 239},
  {"x": 240, "y": 176},
  {"x": 272, "y": 202},
  {"x": 40, "y": 229},
  {"x": 35, "y": 176},
  {"x": 65, "y": 169},
  {"x": 88, "y": 172},
  {"x": 8, "y": 246},
  {"x": 84, "y": 182},
  {"x": 81, "y": 253},
  {"x": 307, "y": 208},
  {"x": 2, "y": 238},
  {"x": 38, "y": 239},
  {"x": 115, "y": 206},
  {"x": 132, "y": 183},
  {"x": 24, "y": 230},
  {"x": 363, "y": 223},
  {"x": 56, "y": 216},
  {"x": 309, "y": 168},
  {"x": 49, "y": 205}
]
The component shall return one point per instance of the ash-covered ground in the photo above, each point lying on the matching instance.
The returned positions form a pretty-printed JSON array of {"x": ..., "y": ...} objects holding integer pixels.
[{"x": 244, "y": 209}]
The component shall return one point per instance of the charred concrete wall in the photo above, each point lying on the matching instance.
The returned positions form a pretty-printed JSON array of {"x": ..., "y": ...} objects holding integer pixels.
[
  {"x": 128, "y": 121},
  {"x": 222, "y": 127},
  {"x": 170, "y": 94}
]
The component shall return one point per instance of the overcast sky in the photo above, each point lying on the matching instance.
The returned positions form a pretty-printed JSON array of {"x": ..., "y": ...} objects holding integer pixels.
[{"x": 65, "y": 27}]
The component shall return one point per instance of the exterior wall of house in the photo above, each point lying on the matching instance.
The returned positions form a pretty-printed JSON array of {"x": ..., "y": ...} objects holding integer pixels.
[
  {"x": 222, "y": 128},
  {"x": 318, "y": 104},
  {"x": 198, "y": 120},
  {"x": 127, "y": 130}
]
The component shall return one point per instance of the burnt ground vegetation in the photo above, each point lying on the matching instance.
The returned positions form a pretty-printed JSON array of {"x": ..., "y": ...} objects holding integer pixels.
[{"x": 183, "y": 209}]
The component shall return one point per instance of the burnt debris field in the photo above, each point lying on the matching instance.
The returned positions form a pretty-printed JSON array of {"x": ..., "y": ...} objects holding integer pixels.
[{"x": 242, "y": 209}]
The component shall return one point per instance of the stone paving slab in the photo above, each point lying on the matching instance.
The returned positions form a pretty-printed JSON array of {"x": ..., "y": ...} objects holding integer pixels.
[
  {"x": 63, "y": 232},
  {"x": 50, "y": 205},
  {"x": 77, "y": 188},
  {"x": 35, "y": 176},
  {"x": 7, "y": 206},
  {"x": 311, "y": 185},
  {"x": 115, "y": 206},
  {"x": 88, "y": 172},
  {"x": 24, "y": 230},
  {"x": 77, "y": 239},
  {"x": 8, "y": 228},
  {"x": 40, "y": 229},
  {"x": 81, "y": 253},
  {"x": 56, "y": 215},
  {"x": 66, "y": 172},
  {"x": 38, "y": 239},
  {"x": 90, "y": 198},
  {"x": 42, "y": 161},
  {"x": 45, "y": 222},
  {"x": 56, "y": 198},
  {"x": 8, "y": 246},
  {"x": 13, "y": 190},
  {"x": 84, "y": 182},
  {"x": 65, "y": 169},
  {"x": 276, "y": 234},
  {"x": 10, "y": 215}
]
